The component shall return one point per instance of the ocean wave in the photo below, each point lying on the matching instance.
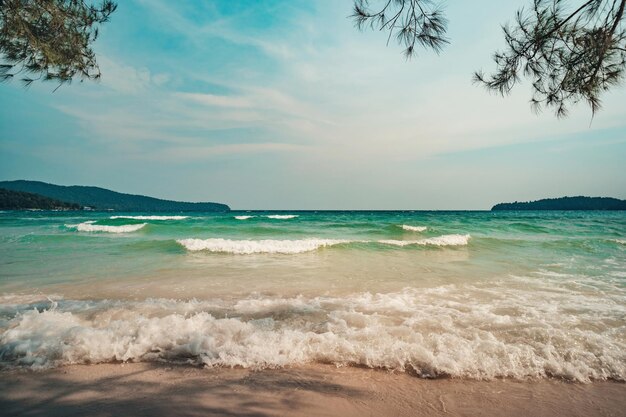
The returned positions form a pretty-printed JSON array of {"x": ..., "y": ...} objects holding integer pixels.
[
  {"x": 89, "y": 226},
  {"x": 459, "y": 331},
  {"x": 243, "y": 217},
  {"x": 282, "y": 216},
  {"x": 247, "y": 247},
  {"x": 151, "y": 217},
  {"x": 414, "y": 228},
  {"x": 444, "y": 240},
  {"x": 620, "y": 241}
]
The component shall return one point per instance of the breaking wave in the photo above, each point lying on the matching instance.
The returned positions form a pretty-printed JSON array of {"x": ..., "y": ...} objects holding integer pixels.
[
  {"x": 243, "y": 217},
  {"x": 445, "y": 240},
  {"x": 282, "y": 216},
  {"x": 247, "y": 247},
  {"x": 414, "y": 228},
  {"x": 151, "y": 217},
  {"x": 464, "y": 331},
  {"x": 89, "y": 226}
]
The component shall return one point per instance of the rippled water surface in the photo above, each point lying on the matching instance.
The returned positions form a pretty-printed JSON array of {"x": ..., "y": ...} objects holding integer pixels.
[{"x": 464, "y": 294}]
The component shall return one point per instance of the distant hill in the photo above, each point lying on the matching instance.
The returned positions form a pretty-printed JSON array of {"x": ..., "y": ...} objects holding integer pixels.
[
  {"x": 566, "y": 203},
  {"x": 103, "y": 199},
  {"x": 19, "y": 200}
]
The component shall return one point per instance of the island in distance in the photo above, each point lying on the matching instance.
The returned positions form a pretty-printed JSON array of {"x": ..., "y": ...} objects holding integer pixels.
[
  {"x": 565, "y": 203},
  {"x": 19, "y": 200},
  {"x": 44, "y": 196}
]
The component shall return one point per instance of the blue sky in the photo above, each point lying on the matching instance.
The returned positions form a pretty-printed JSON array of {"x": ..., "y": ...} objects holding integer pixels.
[{"x": 284, "y": 105}]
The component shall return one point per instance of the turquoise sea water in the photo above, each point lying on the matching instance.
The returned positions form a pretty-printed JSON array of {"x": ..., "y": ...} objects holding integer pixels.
[{"x": 462, "y": 294}]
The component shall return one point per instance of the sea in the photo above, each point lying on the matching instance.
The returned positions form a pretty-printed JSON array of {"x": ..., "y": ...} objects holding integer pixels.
[{"x": 459, "y": 294}]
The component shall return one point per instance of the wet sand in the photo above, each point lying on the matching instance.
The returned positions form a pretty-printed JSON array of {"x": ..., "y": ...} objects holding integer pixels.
[{"x": 147, "y": 389}]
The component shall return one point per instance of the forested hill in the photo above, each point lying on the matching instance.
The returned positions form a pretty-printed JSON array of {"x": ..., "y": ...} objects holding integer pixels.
[
  {"x": 103, "y": 199},
  {"x": 19, "y": 200},
  {"x": 566, "y": 203}
]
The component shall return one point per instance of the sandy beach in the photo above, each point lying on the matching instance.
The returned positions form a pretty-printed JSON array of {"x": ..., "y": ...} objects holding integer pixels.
[
  {"x": 148, "y": 389},
  {"x": 311, "y": 208}
]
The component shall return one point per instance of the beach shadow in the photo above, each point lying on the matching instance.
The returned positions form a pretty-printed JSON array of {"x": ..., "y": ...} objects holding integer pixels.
[{"x": 159, "y": 390}]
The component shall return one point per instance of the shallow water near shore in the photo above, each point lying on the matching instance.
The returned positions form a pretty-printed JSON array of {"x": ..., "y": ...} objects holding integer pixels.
[{"x": 473, "y": 295}]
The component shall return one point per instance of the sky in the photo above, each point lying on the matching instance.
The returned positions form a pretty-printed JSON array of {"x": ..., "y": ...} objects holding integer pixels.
[{"x": 283, "y": 104}]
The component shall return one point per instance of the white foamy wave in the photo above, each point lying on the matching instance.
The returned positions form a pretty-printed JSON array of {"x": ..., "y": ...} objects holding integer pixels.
[
  {"x": 461, "y": 331},
  {"x": 243, "y": 217},
  {"x": 414, "y": 228},
  {"x": 89, "y": 226},
  {"x": 445, "y": 240},
  {"x": 620, "y": 241},
  {"x": 282, "y": 216},
  {"x": 76, "y": 225},
  {"x": 247, "y": 247},
  {"x": 17, "y": 299},
  {"x": 151, "y": 217}
]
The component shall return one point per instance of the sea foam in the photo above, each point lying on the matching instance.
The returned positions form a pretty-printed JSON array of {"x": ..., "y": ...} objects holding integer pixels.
[
  {"x": 151, "y": 217},
  {"x": 247, "y": 247},
  {"x": 414, "y": 228},
  {"x": 444, "y": 240},
  {"x": 282, "y": 216},
  {"x": 243, "y": 217},
  {"x": 469, "y": 331},
  {"x": 89, "y": 226}
]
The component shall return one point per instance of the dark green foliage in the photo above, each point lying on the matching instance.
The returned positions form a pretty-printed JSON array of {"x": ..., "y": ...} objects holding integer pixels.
[
  {"x": 413, "y": 22},
  {"x": 50, "y": 40},
  {"x": 18, "y": 200},
  {"x": 102, "y": 199},
  {"x": 569, "y": 55},
  {"x": 571, "y": 50},
  {"x": 566, "y": 203}
]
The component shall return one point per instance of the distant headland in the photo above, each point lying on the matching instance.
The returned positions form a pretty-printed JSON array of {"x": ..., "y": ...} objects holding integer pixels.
[
  {"x": 19, "y": 200},
  {"x": 565, "y": 203},
  {"x": 23, "y": 195}
]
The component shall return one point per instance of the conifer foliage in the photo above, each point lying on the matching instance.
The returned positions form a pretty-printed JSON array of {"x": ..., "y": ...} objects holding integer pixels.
[
  {"x": 50, "y": 40},
  {"x": 569, "y": 50}
]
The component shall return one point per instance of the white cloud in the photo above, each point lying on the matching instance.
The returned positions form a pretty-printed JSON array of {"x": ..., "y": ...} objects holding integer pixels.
[
  {"x": 190, "y": 153},
  {"x": 215, "y": 100},
  {"x": 332, "y": 102},
  {"x": 127, "y": 79},
  {"x": 330, "y": 92}
]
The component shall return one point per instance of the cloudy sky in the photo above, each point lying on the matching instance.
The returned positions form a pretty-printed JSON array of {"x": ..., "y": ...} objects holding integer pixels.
[{"x": 282, "y": 104}]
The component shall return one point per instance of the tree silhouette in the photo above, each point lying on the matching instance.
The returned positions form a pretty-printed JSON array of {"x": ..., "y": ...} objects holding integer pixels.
[
  {"x": 570, "y": 52},
  {"x": 50, "y": 40},
  {"x": 413, "y": 22}
]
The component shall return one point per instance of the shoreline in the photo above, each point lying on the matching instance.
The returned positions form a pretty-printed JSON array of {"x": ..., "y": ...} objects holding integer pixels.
[{"x": 157, "y": 389}]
